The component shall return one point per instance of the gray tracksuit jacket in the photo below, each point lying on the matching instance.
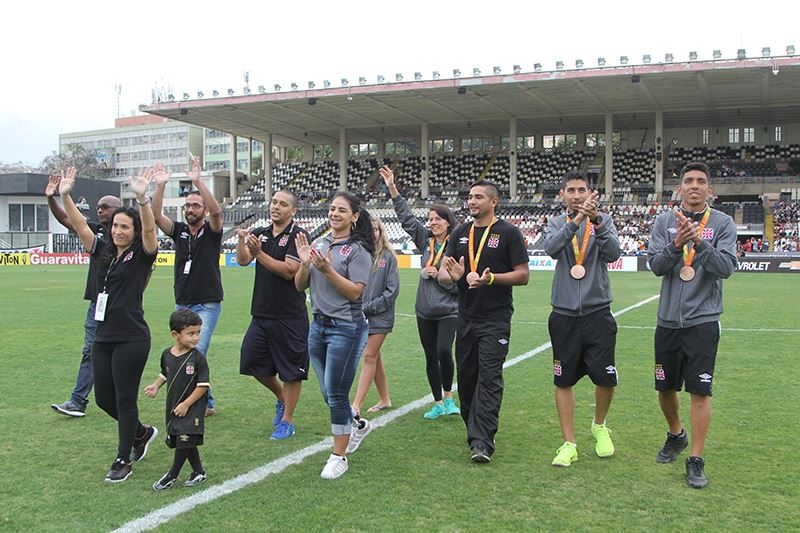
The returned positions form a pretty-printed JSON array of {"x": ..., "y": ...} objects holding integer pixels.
[
  {"x": 573, "y": 297},
  {"x": 381, "y": 292},
  {"x": 435, "y": 300},
  {"x": 688, "y": 303}
]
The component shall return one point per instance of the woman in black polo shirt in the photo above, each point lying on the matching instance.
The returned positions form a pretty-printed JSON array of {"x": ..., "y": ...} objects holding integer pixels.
[{"x": 122, "y": 340}]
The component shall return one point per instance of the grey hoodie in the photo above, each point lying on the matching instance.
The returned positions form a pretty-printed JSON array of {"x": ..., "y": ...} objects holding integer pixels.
[
  {"x": 381, "y": 292},
  {"x": 574, "y": 297},
  {"x": 688, "y": 303},
  {"x": 435, "y": 300}
]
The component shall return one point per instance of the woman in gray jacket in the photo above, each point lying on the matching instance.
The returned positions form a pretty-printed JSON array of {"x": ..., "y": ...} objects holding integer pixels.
[
  {"x": 437, "y": 304},
  {"x": 378, "y": 301}
]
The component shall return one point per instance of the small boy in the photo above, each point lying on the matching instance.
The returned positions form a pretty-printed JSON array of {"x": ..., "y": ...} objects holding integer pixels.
[{"x": 185, "y": 371}]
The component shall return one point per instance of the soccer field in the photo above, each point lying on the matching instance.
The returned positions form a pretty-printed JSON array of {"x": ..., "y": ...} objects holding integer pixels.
[{"x": 410, "y": 474}]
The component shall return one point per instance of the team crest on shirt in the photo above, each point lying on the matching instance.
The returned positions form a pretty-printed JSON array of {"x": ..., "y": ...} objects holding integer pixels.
[
  {"x": 189, "y": 369},
  {"x": 345, "y": 251},
  {"x": 556, "y": 367},
  {"x": 494, "y": 240},
  {"x": 591, "y": 230},
  {"x": 128, "y": 256},
  {"x": 708, "y": 234},
  {"x": 660, "y": 375},
  {"x": 382, "y": 262},
  {"x": 283, "y": 240}
]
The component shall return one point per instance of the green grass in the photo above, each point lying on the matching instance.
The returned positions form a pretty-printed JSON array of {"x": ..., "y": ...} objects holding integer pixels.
[{"x": 412, "y": 474}]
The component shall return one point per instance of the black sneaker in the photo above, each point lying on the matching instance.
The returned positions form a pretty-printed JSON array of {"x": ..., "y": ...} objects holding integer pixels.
[
  {"x": 674, "y": 445},
  {"x": 69, "y": 408},
  {"x": 695, "y": 474},
  {"x": 165, "y": 482},
  {"x": 141, "y": 445},
  {"x": 120, "y": 471},
  {"x": 480, "y": 454},
  {"x": 195, "y": 478}
]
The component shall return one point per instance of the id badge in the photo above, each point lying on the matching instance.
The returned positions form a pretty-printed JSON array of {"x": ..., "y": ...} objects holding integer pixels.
[
  {"x": 187, "y": 266},
  {"x": 100, "y": 307}
]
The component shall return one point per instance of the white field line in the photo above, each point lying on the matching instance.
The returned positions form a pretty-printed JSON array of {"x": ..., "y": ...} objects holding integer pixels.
[{"x": 164, "y": 514}]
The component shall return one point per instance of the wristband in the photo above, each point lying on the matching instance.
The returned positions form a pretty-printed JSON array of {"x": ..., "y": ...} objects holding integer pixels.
[
  {"x": 146, "y": 201},
  {"x": 491, "y": 278}
]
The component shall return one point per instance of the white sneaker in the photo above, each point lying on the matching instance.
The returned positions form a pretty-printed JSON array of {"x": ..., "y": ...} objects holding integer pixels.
[
  {"x": 357, "y": 434},
  {"x": 335, "y": 467}
]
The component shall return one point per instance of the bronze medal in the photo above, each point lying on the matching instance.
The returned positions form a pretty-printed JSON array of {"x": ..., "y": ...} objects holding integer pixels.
[
  {"x": 687, "y": 273},
  {"x": 472, "y": 276},
  {"x": 577, "y": 271}
]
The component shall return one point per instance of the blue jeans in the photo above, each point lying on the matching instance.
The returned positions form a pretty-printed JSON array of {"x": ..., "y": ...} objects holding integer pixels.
[
  {"x": 334, "y": 347},
  {"x": 209, "y": 312},
  {"x": 85, "y": 379}
]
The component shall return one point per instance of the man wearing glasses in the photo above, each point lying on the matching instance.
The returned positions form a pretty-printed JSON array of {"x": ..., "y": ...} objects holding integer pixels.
[
  {"x": 76, "y": 405},
  {"x": 198, "y": 284}
]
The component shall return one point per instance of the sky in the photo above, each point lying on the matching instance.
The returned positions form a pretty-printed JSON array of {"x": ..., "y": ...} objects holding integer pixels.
[{"x": 76, "y": 66}]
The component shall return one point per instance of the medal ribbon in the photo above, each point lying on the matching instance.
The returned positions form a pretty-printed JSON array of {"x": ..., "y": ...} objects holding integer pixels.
[
  {"x": 688, "y": 248},
  {"x": 474, "y": 258},
  {"x": 580, "y": 254},
  {"x": 434, "y": 261}
]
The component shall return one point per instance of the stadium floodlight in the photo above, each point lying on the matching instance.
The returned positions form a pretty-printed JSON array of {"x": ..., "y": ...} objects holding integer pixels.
[
  {"x": 559, "y": 65},
  {"x": 537, "y": 67},
  {"x": 496, "y": 71},
  {"x": 398, "y": 77},
  {"x": 579, "y": 63},
  {"x": 311, "y": 85},
  {"x": 436, "y": 75},
  {"x": 186, "y": 96},
  {"x": 293, "y": 85},
  {"x": 717, "y": 54},
  {"x": 326, "y": 83},
  {"x": 262, "y": 89},
  {"x": 692, "y": 56},
  {"x": 646, "y": 59},
  {"x": 277, "y": 87},
  {"x": 170, "y": 97},
  {"x": 765, "y": 52},
  {"x": 362, "y": 80},
  {"x": 231, "y": 92},
  {"x": 623, "y": 60},
  {"x": 476, "y": 72},
  {"x": 246, "y": 89},
  {"x": 381, "y": 79},
  {"x": 215, "y": 93},
  {"x": 345, "y": 83},
  {"x": 669, "y": 58},
  {"x": 790, "y": 50},
  {"x": 517, "y": 69},
  {"x": 741, "y": 54},
  {"x": 200, "y": 94},
  {"x": 417, "y": 76},
  {"x": 456, "y": 73},
  {"x": 601, "y": 61}
]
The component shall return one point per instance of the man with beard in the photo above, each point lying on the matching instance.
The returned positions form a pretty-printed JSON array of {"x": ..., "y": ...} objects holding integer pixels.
[
  {"x": 76, "y": 405},
  {"x": 276, "y": 342},
  {"x": 198, "y": 284}
]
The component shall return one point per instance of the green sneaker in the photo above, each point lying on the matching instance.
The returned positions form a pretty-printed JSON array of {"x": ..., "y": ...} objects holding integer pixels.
[
  {"x": 566, "y": 455},
  {"x": 450, "y": 407},
  {"x": 604, "y": 446},
  {"x": 435, "y": 412}
]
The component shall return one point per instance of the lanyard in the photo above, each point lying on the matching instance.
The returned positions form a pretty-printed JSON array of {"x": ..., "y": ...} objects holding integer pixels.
[
  {"x": 433, "y": 261},
  {"x": 580, "y": 254},
  {"x": 111, "y": 267},
  {"x": 688, "y": 248},
  {"x": 474, "y": 258}
]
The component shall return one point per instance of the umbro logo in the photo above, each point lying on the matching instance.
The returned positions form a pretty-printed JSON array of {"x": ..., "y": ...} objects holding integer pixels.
[
  {"x": 463, "y": 240},
  {"x": 503, "y": 341},
  {"x": 611, "y": 369},
  {"x": 705, "y": 378}
]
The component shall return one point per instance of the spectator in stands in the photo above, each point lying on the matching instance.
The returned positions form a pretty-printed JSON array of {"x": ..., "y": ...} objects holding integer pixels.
[
  {"x": 436, "y": 304},
  {"x": 381, "y": 292},
  {"x": 276, "y": 342},
  {"x": 122, "y": 338},
  {"x": 582, "y": 330},
  {"x": 79, "y": 399},
  {"x": 692, "y": 250},
  {"x": 198, "y": 283},
  {"x": 336, "y": 267},
  {"x": 485, "y": 258}
]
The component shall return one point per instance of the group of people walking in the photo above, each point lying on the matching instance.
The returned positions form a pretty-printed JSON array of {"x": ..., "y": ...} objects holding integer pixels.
[{"x": 464, "y": 295}]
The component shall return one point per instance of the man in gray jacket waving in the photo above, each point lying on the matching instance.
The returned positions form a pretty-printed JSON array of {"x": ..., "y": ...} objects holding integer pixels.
[
  {"x": 692, "y": 250},
  {"x": 582, "y": 330}
]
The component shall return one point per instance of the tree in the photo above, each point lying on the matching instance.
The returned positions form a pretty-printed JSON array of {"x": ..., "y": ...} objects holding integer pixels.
[{"x": 74, "y": 155}]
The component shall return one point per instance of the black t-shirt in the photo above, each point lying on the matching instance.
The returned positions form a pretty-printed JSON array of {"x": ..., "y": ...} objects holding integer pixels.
[
  {"x": 101, "y": 234},
  {"x": 504, "y": 248},
  {"x": 274, "y": 296},
  {"x": 183, "y": 374},
  {"x": 124, "y": 279},
  {"x": 203, "y": 283}
]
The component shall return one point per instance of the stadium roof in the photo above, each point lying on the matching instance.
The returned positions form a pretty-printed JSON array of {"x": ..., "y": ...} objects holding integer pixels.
[{"x": 718, "y": 93}]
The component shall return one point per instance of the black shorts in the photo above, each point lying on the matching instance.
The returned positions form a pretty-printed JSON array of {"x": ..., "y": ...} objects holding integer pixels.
[
  {"x": 275, "y": 346},
  {"x": 584, "y": 345},
  {"x": 184, "y": 442},
  {"x": 686, "y": 356}
]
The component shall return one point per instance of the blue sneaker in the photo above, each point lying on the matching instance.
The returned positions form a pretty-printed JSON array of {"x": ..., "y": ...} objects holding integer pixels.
[
  {"x": 435, "y": 412},
  {"x": 284, "y": 430},
  {"x": 280, "y": 407},
  {"x": 450, "y": 407}
]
